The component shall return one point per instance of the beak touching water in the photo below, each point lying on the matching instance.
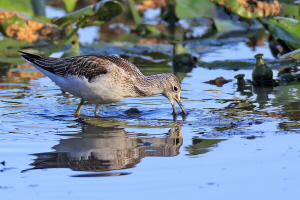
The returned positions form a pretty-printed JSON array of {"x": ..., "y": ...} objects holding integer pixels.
[{"x": 180, "y": 105}]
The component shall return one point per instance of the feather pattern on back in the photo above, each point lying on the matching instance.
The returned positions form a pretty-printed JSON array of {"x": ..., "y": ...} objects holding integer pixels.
[{"x": 88, "y": 66}]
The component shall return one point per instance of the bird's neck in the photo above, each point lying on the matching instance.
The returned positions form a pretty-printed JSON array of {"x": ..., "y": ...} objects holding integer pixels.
[{"x": 150, "y": 85}]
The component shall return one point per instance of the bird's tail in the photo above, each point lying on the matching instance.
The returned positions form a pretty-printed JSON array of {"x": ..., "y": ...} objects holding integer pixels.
[
  {"x": 29, "y": 56},
  {"x": 39, "y": 61}
]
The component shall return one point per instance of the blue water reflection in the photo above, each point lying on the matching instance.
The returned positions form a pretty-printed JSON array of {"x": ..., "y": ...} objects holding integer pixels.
[{"x": 100, "y": 149}]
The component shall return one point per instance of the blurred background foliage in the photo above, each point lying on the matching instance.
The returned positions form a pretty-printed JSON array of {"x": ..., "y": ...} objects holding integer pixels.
[{"x": 179, "y": 20}]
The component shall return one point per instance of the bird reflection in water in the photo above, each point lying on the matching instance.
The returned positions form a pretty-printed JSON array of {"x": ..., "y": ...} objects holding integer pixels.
[{"x": 102, "y": 149}]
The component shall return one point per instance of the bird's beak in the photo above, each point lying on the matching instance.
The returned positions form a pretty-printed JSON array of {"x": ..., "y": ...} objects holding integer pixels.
[{"x": 180, "y": 105}]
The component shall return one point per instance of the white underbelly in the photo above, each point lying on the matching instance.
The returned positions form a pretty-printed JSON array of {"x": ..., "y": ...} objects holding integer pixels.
[
  {"x": 99, "y": 91},
  {"x": 102, "y": 90}
]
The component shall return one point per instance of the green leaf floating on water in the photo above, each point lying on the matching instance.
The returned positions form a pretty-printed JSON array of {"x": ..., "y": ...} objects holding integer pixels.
[
  {"x": 245, "y": 64},
  {"x": 195, "y": 9},
  {"x": 250, "y": 9},
  {"x": 292, "y": 55},
  {"x": 75, "y": 16},
  {"x": 100, "y": 12},
  {"x": 9, "y": 50},
  {"x": 286, "y": 29}
]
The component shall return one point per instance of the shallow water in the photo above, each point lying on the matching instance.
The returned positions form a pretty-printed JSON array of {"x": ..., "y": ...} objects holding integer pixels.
[{"x": 217, "y": 151}]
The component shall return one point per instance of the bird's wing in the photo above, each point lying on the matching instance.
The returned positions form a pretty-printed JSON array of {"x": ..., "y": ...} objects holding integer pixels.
[{"x": 88, "y": 66}]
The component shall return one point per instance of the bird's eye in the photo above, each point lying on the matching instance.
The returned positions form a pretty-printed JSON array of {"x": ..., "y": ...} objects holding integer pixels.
[{"x": 175, "y": 88}]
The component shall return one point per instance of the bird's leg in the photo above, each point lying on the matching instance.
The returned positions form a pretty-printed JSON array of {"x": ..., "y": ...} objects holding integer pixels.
[
  {"x": 97, "y": 108},
  {"x": 77, "y": 113}
]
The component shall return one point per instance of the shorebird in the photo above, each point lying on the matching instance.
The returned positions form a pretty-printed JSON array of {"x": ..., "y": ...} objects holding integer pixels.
[{"x": 104, "y": 79}]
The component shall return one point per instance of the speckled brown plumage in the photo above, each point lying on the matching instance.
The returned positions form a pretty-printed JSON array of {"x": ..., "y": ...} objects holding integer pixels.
[{"x": 88, "y": 66}]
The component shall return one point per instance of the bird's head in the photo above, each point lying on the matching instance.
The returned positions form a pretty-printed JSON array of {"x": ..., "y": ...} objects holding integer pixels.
[{"x": 172, "y": 90}]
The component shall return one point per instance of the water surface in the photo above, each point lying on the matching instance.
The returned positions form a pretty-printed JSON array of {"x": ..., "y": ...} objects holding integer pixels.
[{"x": 218, "y": 151}]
